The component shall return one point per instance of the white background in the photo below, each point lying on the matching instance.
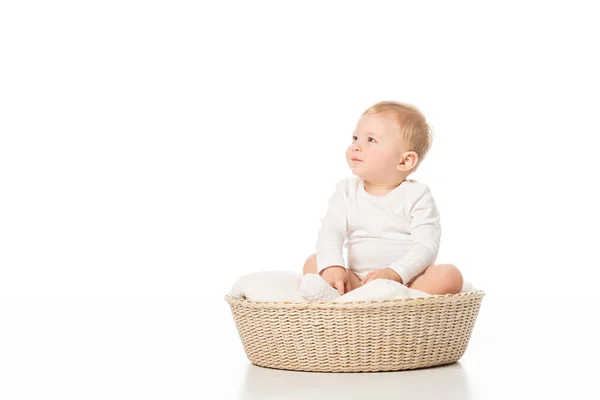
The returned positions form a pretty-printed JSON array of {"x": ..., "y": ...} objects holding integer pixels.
[{"x": 153, "y": 152}]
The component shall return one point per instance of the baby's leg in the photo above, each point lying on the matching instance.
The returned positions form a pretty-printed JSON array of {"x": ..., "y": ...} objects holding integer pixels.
[
  {"x": 310, "y": 265},
  {"x": 439, "y": 279}
]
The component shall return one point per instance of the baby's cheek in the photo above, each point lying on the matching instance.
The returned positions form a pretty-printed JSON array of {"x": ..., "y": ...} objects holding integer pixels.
[
  {"x": 382, "y": 160},
  {"x": 391, "y": 160}
]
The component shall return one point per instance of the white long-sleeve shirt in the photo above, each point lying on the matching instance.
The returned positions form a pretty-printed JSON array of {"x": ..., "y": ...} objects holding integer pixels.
[{"x": 400, "y": 230}]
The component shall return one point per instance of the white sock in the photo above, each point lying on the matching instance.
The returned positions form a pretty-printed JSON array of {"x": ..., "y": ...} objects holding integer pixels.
[{"x": 314, "y": 288}]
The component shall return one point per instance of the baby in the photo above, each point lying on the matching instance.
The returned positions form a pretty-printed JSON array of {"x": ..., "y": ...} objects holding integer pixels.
[{"x": 389, "y": 224}]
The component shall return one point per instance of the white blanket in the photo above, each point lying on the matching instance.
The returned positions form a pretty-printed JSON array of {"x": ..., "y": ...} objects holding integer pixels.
[{"x": 285, "y": 286}]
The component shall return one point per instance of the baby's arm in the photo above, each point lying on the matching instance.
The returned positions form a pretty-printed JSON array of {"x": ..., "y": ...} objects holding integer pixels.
[
  {"x": 425, "y": 232},
  {"x": 333, "y": 230}
]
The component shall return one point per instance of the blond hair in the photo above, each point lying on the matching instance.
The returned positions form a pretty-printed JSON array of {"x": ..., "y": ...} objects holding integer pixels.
[{"x": 413, "y": 128}]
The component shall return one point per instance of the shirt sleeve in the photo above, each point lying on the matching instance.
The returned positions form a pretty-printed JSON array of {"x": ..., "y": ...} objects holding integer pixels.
[
  {"x": 425, "y": 232},
  {"x": 333, "y": 232}
]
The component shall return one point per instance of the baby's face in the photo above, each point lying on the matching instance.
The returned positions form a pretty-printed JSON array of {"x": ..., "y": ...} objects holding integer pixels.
[{"x": 376, "y": 148}]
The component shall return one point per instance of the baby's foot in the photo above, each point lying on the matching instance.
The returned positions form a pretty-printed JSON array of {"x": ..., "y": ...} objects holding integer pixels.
[{"x": 314, "y": 288}]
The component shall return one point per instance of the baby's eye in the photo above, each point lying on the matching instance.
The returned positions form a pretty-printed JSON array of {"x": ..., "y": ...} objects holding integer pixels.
[
  {"x": 354, "y": 138},
  {"x": 374, "y": 141}
]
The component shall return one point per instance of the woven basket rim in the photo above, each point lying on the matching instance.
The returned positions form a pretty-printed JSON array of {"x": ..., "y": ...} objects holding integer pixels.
[{"x": 355, "y": 304}]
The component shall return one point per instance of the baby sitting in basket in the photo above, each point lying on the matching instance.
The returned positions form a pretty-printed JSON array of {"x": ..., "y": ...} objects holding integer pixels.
[{"x": 389, "y": 224}]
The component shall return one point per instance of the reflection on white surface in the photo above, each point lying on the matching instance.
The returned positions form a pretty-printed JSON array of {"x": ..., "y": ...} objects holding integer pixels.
[{"x": 447, "y": 382}]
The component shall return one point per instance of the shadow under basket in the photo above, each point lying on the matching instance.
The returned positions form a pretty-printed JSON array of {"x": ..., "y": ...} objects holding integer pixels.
[{"x": 389, "y": 335}]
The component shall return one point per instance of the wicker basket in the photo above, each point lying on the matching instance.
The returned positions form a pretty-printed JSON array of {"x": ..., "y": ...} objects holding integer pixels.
[{"x": 388, "y": 335}]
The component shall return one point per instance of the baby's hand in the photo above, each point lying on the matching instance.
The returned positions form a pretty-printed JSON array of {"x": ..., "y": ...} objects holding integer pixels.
[
  {"x": 336, "y": 276},
  {"x": 384, "y": 273}
]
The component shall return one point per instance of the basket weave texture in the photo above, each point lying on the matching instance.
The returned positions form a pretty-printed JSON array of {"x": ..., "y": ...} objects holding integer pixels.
[{"x": 389, "y": 335}]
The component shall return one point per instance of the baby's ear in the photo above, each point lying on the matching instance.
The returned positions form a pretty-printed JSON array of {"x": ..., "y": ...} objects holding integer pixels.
[{"x": 408, "y": 161}]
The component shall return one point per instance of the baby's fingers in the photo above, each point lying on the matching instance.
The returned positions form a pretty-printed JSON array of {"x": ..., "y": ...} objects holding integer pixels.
[
  {"x": 336, "y": 284},
  {"x": 372, "y": 276},
  {"x": 367, "y": 278}
]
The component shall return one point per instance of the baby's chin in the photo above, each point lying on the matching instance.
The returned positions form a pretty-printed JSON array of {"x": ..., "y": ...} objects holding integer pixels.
[
  {"x": 364, "y": 175},
  {"x": 357, "y": 172},
  {"x": 354, "y": 168}
]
